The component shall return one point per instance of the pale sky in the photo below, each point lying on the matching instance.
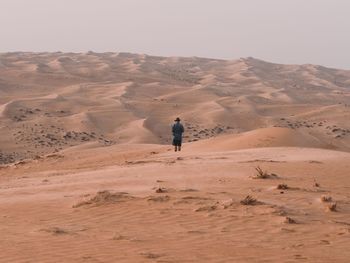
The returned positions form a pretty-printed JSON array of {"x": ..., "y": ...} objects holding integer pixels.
[{"x": 283, "y": 31}]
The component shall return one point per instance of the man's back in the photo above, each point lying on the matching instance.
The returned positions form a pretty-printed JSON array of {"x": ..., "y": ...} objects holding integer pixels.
[{"x": 178, "y": 129}]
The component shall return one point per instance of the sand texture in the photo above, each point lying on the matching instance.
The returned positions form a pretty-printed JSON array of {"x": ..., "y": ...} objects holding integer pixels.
[{"x": 87, "y": 172}]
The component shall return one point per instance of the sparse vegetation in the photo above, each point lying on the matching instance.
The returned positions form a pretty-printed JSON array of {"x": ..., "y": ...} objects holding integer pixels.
[
  {"x": 165, "y": 198},
  {"x": 282, "y": 187},
  {"x": 332, "y": 207},
  {"x": 104, "y": 197},
  {"x": 289, "y": 220},
  {"x": 188, "y": 190},
  {"x": 326, "y": 198},
  {"x": 206, "y": 208},
  {"x": 261, "y": 174},
  {"x": 249, "y": 200},
  {"x": 55, "y": 231},
  {"x": 118, "y": 237},
  {"x": 150, "y": 255},
  {"x": 160, "y": 190},
  {"x": 316, "y": 184}
]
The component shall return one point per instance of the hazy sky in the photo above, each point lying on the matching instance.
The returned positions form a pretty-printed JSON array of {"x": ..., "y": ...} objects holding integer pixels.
[{"x": 286, "y": 31}]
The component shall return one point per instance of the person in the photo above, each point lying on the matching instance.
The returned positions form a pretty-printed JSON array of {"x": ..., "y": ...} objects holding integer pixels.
[{"x": 178, "y": 130}]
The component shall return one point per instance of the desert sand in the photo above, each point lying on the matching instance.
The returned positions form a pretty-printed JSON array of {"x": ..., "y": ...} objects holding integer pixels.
[{"x": 87, "y": 172}]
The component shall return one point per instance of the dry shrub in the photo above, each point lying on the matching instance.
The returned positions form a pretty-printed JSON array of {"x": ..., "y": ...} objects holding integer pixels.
[
  {"x": 261, "y": 174},
  {"x": 164, "y": 198},
  {"x": 119, "y": 237},
  {"x": 249, "y": 200},
  {"x": 316, "y": 184},
  {"x": 206, "y": 208},
  {"x": 161, "y": 190},
  {"x": 188, "y": 190},
  {"x": 289, "y": 220},
  {"x": 282, "y": 187},
  {"x": 150, "y": 255},
  {"x": 55, "y": 231},
  {"x": 326, "y": 199},
  {"x": 332, "y": 207},
  {"x": 104, "y": 197}
]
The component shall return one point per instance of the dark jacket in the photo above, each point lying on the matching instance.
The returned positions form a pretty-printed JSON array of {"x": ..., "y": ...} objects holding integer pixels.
[{"x": 178, "y": 130}]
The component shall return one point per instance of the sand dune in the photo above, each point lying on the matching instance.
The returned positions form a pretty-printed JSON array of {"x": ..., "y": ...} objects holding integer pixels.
[
  {"x": 213, "y": 96},
  {"x": 87, "y": 172},
  {"x": 267, "y": 137}
]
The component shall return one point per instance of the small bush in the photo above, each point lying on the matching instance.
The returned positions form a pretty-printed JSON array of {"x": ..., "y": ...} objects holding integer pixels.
[
  {"x": 161, "y": 190},
  {"x": 249, "y": 200},
  {"x": 261, "y": 174},
  {"x": 104, "y": 197},
  {"x": 289, "y": 220},
  {"x": 316, "y": 184},
  {"x": 332, "y": 207},
  {"x": 282, "y": 187},
  {"x": 326, "y": 198}
]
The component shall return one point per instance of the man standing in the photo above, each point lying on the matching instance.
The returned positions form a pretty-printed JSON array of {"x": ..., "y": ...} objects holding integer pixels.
[{"x": 178, "y": 130}]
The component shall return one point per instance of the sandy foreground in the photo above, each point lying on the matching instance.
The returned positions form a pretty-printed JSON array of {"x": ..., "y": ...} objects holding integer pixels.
[
  {"x": 87, "y": 173},
  {"x": 54, "y": 211}
]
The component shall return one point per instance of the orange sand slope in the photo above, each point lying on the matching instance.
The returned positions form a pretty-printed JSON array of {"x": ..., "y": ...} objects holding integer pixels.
[
  {"x": 87, "y": 173},
  {"x": 267, "y": 137},
  {"x": 104, "y": 206}
]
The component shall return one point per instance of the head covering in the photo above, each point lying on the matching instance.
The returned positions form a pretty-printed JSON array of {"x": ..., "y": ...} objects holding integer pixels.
[{"x": 177, "y": 119}]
